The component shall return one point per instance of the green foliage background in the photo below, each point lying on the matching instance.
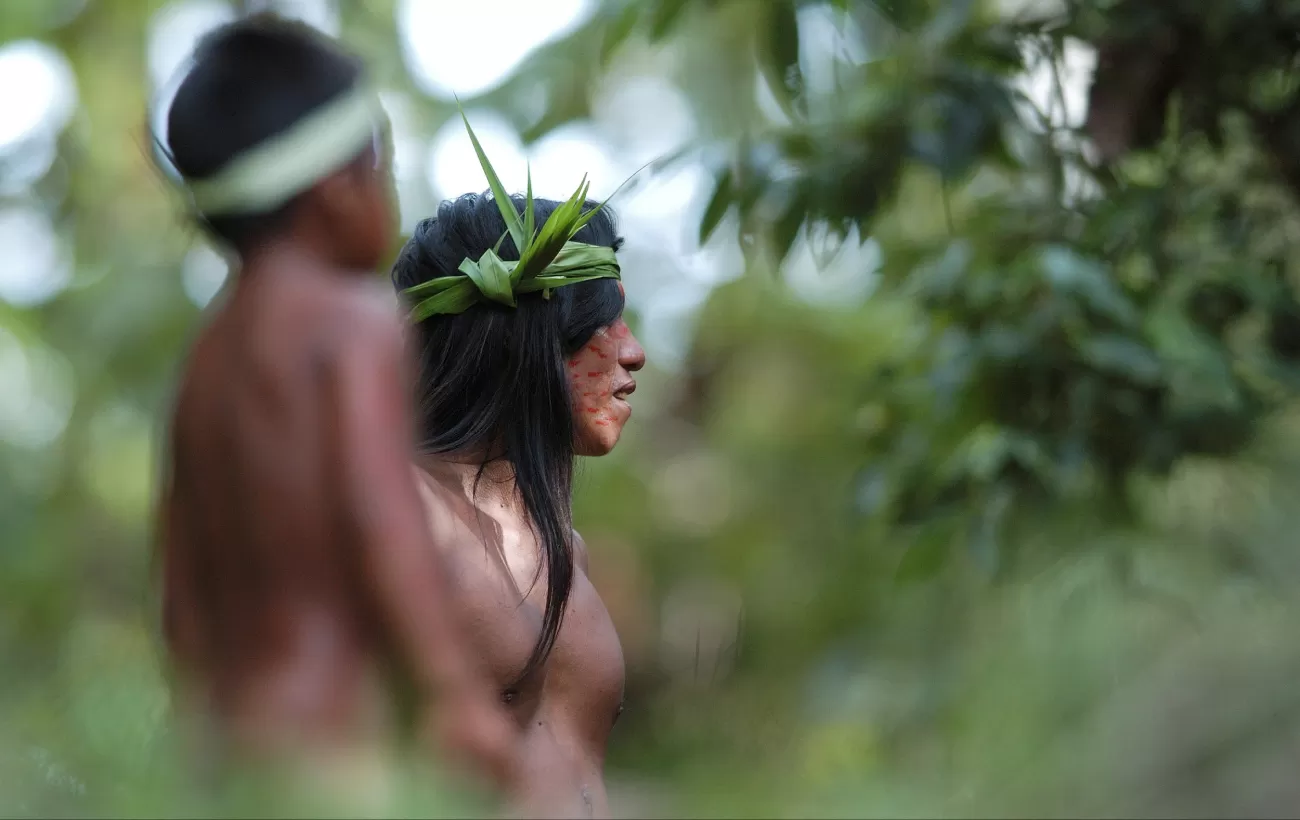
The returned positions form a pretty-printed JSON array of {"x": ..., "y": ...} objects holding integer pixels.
[{"x": 1011, "y": 536}]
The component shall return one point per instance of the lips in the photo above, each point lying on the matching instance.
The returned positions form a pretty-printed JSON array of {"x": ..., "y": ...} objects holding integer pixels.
[{"x": 624, "y": 390}]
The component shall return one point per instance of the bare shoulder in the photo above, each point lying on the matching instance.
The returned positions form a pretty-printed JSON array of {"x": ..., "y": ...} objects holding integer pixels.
[
  {"x": 438, "y": 513},
  {"x": 368, "y": 307},
  {"x": 375, "y": 300},
  {"x": 580, "y": 555},
  {"x": 450, "y": 532},
  {"x": 362, "y": 324}
]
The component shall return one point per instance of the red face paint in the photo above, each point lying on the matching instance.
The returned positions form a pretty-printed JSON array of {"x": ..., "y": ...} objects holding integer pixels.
[{"x": 596, "y": 371}]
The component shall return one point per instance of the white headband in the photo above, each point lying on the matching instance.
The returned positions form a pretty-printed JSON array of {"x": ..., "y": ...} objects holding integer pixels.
[{"x": 270, "y": 173}]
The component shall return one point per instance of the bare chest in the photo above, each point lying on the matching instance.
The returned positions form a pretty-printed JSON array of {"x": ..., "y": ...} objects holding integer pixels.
[{"x": 578, "y": 691}]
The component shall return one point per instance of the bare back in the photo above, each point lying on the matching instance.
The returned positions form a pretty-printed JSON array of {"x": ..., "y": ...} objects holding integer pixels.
[
  {"x": 261, "y": 600},
  {"x": 298, "y": 572},
  {"x": 566, "y": 711}
]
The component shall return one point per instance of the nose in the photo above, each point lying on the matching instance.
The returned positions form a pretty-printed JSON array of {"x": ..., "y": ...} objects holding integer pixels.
[{"x": 630, "y": 354}]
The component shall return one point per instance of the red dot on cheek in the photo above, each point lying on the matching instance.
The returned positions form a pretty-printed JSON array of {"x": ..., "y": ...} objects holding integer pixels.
[{"x": 593, "y": 374}]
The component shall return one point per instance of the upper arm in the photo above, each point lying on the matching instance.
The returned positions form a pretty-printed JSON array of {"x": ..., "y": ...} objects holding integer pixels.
[
  {"x": 402, "y": 572},
  {"x": 374, "y": 426},
  {"x": 405, "y": 575}
]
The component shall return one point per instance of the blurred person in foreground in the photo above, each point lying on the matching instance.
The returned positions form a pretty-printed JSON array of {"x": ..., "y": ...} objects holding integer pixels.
[
  {"x": 525, "y": 363},
  {"x": 301, "y": 590}
]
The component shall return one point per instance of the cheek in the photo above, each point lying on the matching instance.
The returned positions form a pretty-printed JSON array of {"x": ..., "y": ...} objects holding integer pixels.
[
  {"x": 589, "y": 381},
  {"x": 591, "y": 371},
  {"x": 595, "y": 362},
  {"x": 603, "y": 346}
]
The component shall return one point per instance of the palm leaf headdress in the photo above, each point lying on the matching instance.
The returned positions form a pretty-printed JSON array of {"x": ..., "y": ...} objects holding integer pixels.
[{"x": 548, "y": 256}]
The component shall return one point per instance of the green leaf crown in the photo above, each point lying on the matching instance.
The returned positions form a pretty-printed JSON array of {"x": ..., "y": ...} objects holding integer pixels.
[{"x": 548, "y": 256}]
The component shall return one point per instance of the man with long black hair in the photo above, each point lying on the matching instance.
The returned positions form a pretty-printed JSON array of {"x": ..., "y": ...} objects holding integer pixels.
[
  {"x": 525, "y": 363},
  {"x": 301, "y": 590}
]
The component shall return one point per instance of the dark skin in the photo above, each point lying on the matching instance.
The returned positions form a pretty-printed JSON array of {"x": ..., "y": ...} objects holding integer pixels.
[
  {"x": 565, "y": 711},
  {"x": 299, "y": 578}
]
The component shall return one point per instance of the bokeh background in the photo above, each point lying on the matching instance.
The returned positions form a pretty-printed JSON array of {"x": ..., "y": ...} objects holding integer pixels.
[{"x": 963, "y": 479}]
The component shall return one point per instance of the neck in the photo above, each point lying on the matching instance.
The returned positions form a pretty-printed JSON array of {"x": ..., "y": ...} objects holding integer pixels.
[
  {"x": 300, "y": 244},
  {"x": 495, "y": 483},
  {"x": 287, "y": 251}
]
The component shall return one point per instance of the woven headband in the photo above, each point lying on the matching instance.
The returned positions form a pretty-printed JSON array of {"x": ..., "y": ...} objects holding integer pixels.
[{"x": 274, "y": 171}]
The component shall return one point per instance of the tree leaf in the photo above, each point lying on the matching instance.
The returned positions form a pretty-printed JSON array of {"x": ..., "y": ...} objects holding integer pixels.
[
  {"x": 558, "y": 229},
  {"x": 719, "y": 203},
  {"x": 491, "y": 276},
  {"x": 985, "y": 541},
  {"x": 905, "y": 14},
  {"x": 923, "y": 560},
  {"x": 529, "y": 208},
  {"x": 499, "y": 193},
  {"x": 576, "y": 262},
  {"x": 1123, "y": 356},
  {"x": 1070, "y": 272},
  {"x": 619, "y": 28},
  {"x": 664, "y": 14},
  {"x": 457, "y": 297},
  {"x": 783, "y": 51},
  {"x": 786, "y": 228}
]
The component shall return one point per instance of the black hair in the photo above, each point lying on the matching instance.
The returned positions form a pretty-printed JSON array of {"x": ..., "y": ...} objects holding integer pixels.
[
  {"x": 251, "y": 80},
  {"x": 492, "y": 380}
]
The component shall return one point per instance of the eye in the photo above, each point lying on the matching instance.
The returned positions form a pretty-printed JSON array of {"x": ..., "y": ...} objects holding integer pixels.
[{"x": 509, "y": 696}]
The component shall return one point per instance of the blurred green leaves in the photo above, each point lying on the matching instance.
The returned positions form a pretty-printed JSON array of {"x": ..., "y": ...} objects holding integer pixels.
[
  {"x": 1070, "y": 322},
  {"x": 987, "y": 523}
]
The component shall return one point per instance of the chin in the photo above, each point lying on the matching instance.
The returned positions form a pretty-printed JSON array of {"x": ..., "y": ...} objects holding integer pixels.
[
  {"x": 595, "y": 450},
  {"x": 596, "y": 444}
]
